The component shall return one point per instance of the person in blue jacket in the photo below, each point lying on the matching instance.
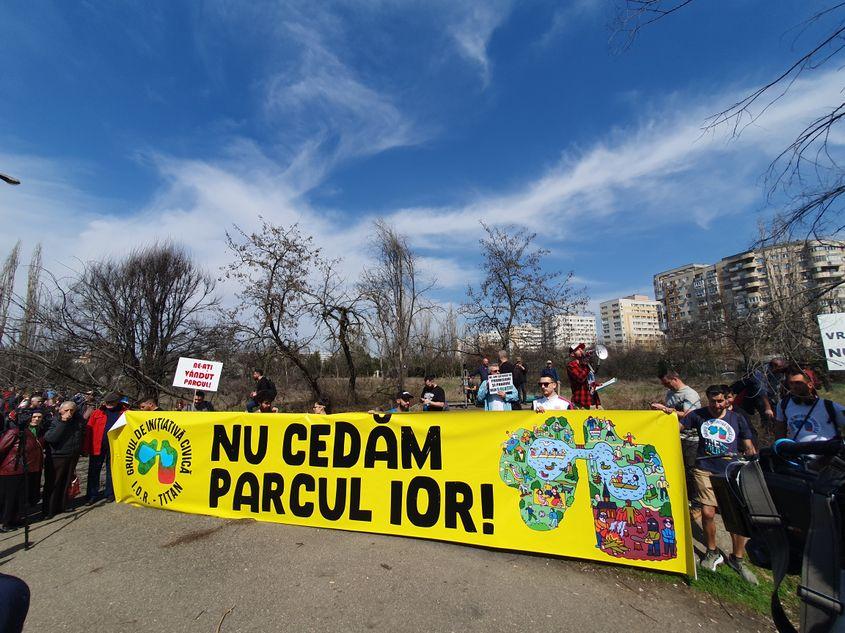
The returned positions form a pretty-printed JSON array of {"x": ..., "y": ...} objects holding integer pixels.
[{"x": 497, "y": 400}]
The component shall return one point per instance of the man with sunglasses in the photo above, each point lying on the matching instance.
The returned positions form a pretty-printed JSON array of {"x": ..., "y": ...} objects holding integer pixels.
[
  {"x": 550, "y": 401},
  {"x": 804, "y": 417}
]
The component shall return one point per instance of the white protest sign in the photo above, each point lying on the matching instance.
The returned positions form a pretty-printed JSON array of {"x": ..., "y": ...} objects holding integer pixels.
[
  {"x": 194, "y": 373},
  {"x": 499, "y": 382},
  {"x": 832, "y": 327}
]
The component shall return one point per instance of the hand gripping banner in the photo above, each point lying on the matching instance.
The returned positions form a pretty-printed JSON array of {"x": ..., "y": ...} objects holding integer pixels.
[{"x": 600, "y": 485}]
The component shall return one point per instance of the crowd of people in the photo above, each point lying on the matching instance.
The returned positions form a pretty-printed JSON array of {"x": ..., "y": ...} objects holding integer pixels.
[
  {"x": 580, "y": 375},
  {"x": 45, "y": 434},
  {"x": 778, "y": 402}
]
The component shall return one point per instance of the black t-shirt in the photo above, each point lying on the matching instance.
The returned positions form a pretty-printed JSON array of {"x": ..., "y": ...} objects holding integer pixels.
[
  {"x": 434, "y": 394},
  {"x": 718, "y": 438},
  {"x": 203, "y": 406}
]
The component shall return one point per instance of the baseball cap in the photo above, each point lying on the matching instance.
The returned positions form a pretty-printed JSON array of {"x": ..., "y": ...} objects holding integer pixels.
[
  {"x": 575, "y": 346},
  {"x": 404, "y": 395}
]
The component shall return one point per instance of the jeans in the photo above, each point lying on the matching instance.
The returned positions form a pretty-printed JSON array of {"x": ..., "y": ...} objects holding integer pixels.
[{"x": 95, "y": 465}]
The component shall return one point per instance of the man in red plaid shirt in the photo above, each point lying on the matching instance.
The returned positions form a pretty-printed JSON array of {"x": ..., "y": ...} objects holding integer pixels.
[{"x": 578, "y": 370}]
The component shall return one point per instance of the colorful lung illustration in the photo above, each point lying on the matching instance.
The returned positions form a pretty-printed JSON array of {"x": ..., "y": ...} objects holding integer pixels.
[
  {"x": 148, "y": 453},
  {"x": 628, "y": 490}
]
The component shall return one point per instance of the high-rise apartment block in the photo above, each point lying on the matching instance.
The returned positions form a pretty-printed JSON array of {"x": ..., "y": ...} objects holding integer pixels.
[
  {"x": 688, "y": 294},
  {"x": 739, "y": 284},
  {"x": 567, "y": 329},
  {"x": 526, "y": 337},
  {"x": 557, "y": 332},
  {"x": 631, "y": 321}
]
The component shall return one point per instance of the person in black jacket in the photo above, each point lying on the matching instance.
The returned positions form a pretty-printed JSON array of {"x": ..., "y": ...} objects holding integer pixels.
[
  {"x": 64, "y": 437},
  {"x": 263, "y": 386}
]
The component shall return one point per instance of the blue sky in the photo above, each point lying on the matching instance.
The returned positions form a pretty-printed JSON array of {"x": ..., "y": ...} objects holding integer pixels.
[{"x": 129, "y": 122}]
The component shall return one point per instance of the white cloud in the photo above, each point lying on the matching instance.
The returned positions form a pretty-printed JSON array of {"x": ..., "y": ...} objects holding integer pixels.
[
  {"x": 566, "y": 15},
  {"x": 666, "y": 169},
  {"x": 334, "y": 111},
  {"x": 473, "y": 26},
  {"x": 663, "y": 172}
]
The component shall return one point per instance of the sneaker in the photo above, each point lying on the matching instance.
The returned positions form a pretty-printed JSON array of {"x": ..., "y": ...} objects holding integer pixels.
[
  {"x": 712, "y": 559},
  {"x": 738, "y": 565}
]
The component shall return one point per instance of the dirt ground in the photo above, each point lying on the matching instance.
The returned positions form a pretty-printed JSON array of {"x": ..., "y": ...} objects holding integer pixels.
[{"x": 113, "y": 567}]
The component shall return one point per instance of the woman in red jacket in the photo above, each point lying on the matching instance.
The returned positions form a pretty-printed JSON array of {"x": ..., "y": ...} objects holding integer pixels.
[
  {"x": 13, "y": 473},
  {"x": 97, "y": 446}
]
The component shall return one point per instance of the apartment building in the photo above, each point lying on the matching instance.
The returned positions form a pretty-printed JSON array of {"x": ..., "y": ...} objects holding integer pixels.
[
  {"x": 566, "y": 329},
  {"x": 632, "y": 321},
  {"x": 526, "y": 337},
  {"x": 752, "y": 279},
  {"x": 558, "y": 332},
  {"x": 688, "y": 294},
  {"x": 741, "y": 283}
]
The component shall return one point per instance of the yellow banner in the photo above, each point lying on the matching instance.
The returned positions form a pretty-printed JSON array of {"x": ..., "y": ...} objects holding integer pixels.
[{"x": 600, "y": 485}]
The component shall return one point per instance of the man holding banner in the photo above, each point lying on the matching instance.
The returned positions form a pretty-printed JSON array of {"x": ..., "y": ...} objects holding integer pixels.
[{"x": 498, "y": 392}]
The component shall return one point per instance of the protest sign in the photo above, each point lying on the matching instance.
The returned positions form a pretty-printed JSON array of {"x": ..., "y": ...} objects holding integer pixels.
[
  {"x": 499, "y": 382},
  {"x": 193, "y": 373},
  {"x": 832, "y": 327},
  {"x": 606, "y": 486}
]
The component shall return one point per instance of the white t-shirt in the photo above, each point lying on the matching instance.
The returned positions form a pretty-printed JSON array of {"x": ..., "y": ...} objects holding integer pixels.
[
  {"x": 815, "y": 427},
  {"x": 554, "y": 403}
]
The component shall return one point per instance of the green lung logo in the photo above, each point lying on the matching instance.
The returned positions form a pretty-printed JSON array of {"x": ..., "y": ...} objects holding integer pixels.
[{"x": 148, "y": 454}]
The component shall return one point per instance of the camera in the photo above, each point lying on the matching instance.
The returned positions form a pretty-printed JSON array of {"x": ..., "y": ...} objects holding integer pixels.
[{"x": 789, "y": 500}]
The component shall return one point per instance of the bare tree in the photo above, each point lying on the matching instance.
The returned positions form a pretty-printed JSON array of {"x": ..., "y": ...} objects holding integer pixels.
[
  {"x": 395, "y": 295},
  {"x": 7, "y": 286},
  {"x": 273, "y": 267},
  {"x": 341, "y": 311},
  {"x": 516, "y": 287},
  {"x": 31, "y": 310},
  {"x": 806, "y": 171},
  {"x": 135, "y": 315}
]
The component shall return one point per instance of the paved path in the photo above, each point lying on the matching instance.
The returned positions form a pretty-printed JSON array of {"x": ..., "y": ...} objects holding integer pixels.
[{"x": 118, "y": 568}]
